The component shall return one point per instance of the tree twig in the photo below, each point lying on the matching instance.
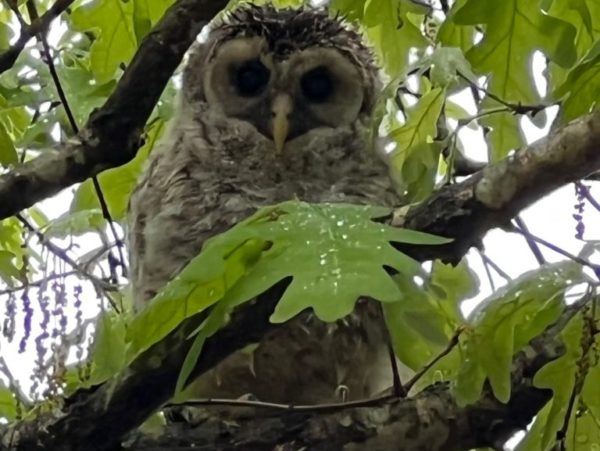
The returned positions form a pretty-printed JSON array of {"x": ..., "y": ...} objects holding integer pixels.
[
  {"x": 40, "y": 282},
  {"x": 535, "y": 249},
  {"x": 8, "y": 58},
  {"x": 61, "y": 254},
  {"x": 447, "y": 350},
  {"x": 558, "y": 250},
  {"x": 47, "y": 56},
  {"x": 487, "y": 261}
]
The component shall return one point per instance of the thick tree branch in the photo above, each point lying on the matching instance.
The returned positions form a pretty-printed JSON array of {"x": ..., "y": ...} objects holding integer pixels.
[
  {"x": 8, "y": 58},
  {"x": 431, "y": 420},
  {"x": 493, "y": 196},
  {"x": 111, "y": 136}
]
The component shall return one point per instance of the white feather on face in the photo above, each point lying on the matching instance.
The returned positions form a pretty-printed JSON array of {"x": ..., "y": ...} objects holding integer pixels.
[{"x": 273, "y": 107}]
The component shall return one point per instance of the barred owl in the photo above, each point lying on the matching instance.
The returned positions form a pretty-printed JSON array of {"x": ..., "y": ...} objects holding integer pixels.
[{"x": 274, "y": 106}]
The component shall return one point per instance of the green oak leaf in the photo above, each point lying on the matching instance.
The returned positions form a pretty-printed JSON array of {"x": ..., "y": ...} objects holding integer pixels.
[
  {"x": 559, "y": 376},
  {"x": 585, "y": 16},
  {"x": 505, "y": 322},
  {"x": 583, "y": 432},
  {"x": 390, "y": 28},
  {"x": 108, "y": 355},
  {"x": 8, "y": 403},
  {"x": 8, "y": 268},
  {"x": 146, "y": 13},
  {"x": 116, "y": 42},
  {"x": 446, "y": 65},
  {"x": 452, "y": 34},
  {"x": 590, "y": 392},
  {"x": 336, "y": 254},
  {"x": 581, "y": 88},
  {"x": 202, "y": 283},
  {"x": 11, "y": 238},
  {"x": 75, "y": 223},
  {"x": 415, "y": 160},
  {"x": 8, "y": 153},
  {"x": 514, "y": 30}
]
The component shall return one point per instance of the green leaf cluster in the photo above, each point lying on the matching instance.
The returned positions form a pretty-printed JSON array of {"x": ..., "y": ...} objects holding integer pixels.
[{"x": 504, "y": 323}]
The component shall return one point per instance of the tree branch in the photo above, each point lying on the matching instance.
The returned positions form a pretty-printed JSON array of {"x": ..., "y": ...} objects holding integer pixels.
[
  {"x": 430, "y": 420},
  {"x": 493, "y": 196},
  {"x": 464, "y": 211},
  {"x": 8, "y": 58},
  {"x": 111, "y": 137}
]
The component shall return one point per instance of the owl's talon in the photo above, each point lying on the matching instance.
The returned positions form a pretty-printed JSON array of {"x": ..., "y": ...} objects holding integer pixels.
[
  {"x": 341, "y": 392},
  {"x": 186, "y": 414},
  {"x": 248, "y": 397}
]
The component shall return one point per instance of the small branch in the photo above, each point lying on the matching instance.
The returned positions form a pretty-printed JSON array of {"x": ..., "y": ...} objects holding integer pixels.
[
  {"x": 447, "y": 350},
  {"x": 535, "y": 249},
  {"x": 8, "y": 58},
  {"x": 326, "y": 407},
  {"x": 513, "y": 107},
  {"x": 47, "y": 56},
  {"x": 14, "y": 7},
  {"x": 113, "y": 133},
  {"x": 40, "y": 282},
  {"x": 87, "y": 260},
  {"x": 99, "y": 284},
  {"x": 488, "y": 273},
  {"x": 398, "y": 388},
  {"x": 492, "y": 264},
  {"x": 558, "y": 250}
]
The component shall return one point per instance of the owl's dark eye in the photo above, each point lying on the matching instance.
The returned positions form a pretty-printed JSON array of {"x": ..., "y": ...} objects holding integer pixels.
[
  {"x": 317, "y": 85},
  {"x": 251, "y": 78}
]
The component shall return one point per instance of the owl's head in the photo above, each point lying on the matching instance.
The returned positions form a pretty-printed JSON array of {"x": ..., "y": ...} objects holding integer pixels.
[{"x": 285, "y": 71}]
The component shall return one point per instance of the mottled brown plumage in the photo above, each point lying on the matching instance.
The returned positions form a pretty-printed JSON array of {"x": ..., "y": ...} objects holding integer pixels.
[{"x": 220, "y": 163}]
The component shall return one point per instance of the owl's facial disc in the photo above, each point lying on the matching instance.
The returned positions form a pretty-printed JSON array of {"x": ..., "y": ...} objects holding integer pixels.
[{"x": 284, "y": 98}]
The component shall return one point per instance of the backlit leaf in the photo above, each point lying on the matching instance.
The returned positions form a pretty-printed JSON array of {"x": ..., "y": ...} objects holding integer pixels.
[
  {"x": 115, "y": 43},
  {"x": 505, "y": 322}
]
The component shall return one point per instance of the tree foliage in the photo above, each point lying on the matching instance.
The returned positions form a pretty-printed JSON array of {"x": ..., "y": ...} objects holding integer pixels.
[{"x": 448, "y": 66}]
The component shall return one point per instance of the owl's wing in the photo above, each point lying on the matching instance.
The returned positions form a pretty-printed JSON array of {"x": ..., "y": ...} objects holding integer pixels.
[{"x": 182, "y": 199}]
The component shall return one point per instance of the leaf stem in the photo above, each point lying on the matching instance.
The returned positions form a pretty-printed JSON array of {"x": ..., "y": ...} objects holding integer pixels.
[{"x": 447, "y": 350}]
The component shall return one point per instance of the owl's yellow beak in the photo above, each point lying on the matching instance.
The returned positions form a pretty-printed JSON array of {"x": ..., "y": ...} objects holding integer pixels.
[{"x": 282, "y": 108}]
